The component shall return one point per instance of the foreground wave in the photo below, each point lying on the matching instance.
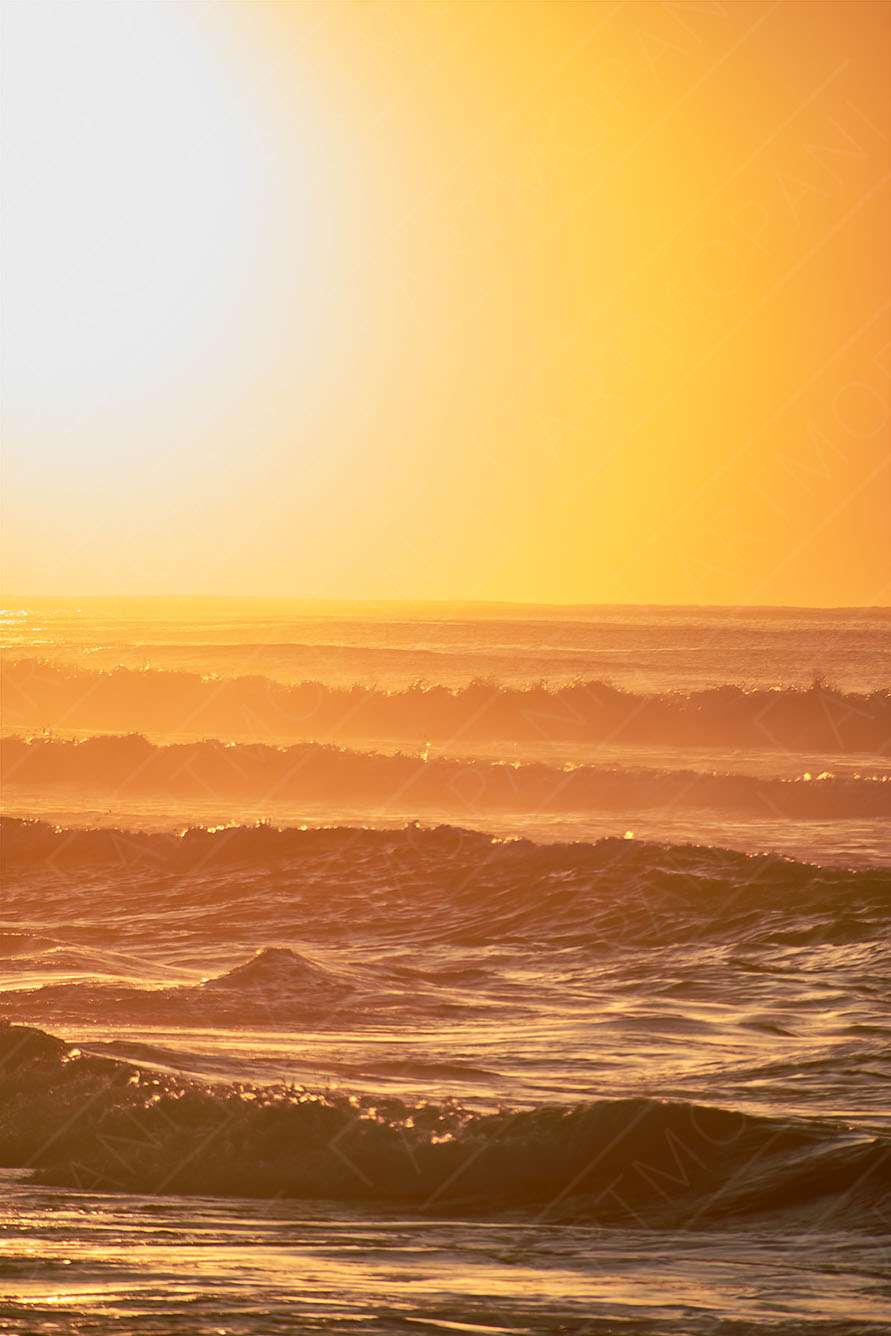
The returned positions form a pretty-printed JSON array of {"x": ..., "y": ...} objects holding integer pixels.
[
  {"x": 38, "y": 694},
  {"x": 102, "y": 1124},
  {"x": 312, "y": 773}
]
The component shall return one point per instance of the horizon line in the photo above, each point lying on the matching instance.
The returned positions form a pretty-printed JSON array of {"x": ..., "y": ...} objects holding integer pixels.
[{"x": 374, "y": 601}]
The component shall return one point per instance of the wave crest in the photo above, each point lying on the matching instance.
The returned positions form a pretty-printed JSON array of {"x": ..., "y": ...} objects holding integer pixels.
[
  {"x": 42, "y": 695},
  {"x": 419, "y": 885},
  {"x": 277, "y": 985},
  {"x": 313, "y": 773},
  {"x": 107, "y": 1125}
]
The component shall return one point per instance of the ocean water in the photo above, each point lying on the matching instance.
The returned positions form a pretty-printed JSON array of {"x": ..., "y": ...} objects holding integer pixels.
[{"x": 398, "y": 969}]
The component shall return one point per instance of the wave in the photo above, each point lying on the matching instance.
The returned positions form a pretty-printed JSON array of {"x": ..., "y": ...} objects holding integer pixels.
[
  {"x": 318, "y": 773},
  {"x": 41, "y": 695},
  {"x": 107, "y": 1125},
  {"x": 275, "y": 985},
  {"x": 423, "y": 885}
]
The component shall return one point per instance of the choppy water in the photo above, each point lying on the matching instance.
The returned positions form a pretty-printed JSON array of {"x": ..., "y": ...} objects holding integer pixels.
[{"x": 536, "y": 1002}]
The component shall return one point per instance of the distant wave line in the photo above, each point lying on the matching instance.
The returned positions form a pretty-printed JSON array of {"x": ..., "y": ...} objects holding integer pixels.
[
  {"x": 819, "y": 718},
  {"x": 311, "y": 772}
]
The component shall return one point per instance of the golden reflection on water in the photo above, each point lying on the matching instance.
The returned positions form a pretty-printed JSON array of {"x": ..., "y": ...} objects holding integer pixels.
[{"x": 245, "y": 1258}]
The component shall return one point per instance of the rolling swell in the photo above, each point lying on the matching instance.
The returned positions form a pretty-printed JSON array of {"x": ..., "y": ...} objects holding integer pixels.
[
  {"x": 312, "y": 773},
  {"x": 40, "y": 695},
  {"x": 432, "y": 885},
  {"x": 276, "y": 985},
  {"x": 103, "y": 1124}
]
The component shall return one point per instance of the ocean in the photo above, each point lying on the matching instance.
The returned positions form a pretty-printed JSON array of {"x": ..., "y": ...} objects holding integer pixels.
[{"x": 490, "y": 969}]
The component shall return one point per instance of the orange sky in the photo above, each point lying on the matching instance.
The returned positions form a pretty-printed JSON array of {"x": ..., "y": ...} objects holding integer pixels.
[{"x": 571, "y": 302}]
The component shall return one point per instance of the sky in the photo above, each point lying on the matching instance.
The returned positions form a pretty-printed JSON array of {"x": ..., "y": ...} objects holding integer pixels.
[{"x": 450, "y": 299}]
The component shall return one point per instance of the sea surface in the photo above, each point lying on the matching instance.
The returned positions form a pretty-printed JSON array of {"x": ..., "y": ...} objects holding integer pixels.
[{"x": 395, "y": 968}]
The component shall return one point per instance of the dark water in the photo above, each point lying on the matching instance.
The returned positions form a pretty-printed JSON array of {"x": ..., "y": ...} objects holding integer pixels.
[{"x": 491, "y": 1006}]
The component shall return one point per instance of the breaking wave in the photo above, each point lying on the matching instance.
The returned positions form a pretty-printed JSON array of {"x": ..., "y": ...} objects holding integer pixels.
[
  {"x": 103, "y": 1124},
  {"x": 314, "y": 772},
  {"x": 40, "y": 695},
  {"x": 419, "y": 885}
]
